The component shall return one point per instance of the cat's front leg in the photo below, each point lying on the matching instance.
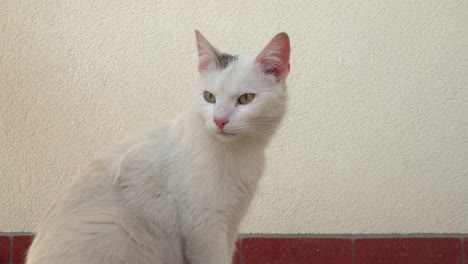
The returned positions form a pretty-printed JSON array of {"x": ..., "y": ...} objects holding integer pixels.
[{"x": 207, "y": 247}]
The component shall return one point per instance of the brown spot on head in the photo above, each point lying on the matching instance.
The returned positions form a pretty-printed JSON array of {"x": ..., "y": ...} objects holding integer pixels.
[{"x": 223, "y": 60}]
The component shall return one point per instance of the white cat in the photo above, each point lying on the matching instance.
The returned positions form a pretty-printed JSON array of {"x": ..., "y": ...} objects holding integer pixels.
[{"x": 177, "y": 193}]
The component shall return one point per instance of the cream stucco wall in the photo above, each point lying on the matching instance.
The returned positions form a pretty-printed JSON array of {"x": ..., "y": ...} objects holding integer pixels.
[{"x": 376, "y": 139}]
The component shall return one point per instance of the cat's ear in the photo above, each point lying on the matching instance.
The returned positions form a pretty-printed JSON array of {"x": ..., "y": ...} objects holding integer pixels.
[
  {"x": 207, "y": 54},
  {"x": 274, "y": 58}
]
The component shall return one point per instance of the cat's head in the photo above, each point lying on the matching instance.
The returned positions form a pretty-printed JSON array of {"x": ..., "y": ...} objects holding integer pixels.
[{"x": 239, "y": 96}]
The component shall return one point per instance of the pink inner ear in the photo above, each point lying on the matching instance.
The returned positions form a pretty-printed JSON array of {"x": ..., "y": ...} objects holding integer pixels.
[
  {"x": 274, "y": 58},
  {"x": 278, "y": 71},
  {"x": 202, "y": 59},
  {"x": 202, "y": 66}
]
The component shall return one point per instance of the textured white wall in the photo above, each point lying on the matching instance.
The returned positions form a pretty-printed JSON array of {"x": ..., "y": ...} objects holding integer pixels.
[{"x": 376, "y": 140}]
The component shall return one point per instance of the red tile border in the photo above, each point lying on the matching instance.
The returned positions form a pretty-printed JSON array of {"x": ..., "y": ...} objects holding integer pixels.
[
  {"x": 20, "y": 246},
  {"x": 408, "y": 250},
  {"x": 4, "y": 249},
  {"x": 296, "y": 250},
  {"x": 302, "y": 250}
]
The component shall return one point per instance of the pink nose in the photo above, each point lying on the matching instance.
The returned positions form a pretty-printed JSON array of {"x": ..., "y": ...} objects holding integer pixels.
[{"x": 221, "y": 122}]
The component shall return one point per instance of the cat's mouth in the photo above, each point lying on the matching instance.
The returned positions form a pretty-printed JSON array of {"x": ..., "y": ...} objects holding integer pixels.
[
  {"x": 226, "y": 136},
  {"x": 224, "y": 133}
]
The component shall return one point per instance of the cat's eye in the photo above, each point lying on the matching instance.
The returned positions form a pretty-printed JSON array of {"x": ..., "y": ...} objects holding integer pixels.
[
  {"x": 209, "y": 97},
  {"x": 246, "y": 98}
]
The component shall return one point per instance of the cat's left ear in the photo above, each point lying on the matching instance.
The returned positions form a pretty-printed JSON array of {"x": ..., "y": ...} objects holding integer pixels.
[
  {"x": 274, "y": 58},
  {"x": 207, "y": 54}
]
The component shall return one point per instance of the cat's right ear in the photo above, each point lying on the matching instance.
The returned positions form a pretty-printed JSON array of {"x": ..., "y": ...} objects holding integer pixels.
[
  {"x": 274, "y": 58},
  {"x": 207, "y": 54}
]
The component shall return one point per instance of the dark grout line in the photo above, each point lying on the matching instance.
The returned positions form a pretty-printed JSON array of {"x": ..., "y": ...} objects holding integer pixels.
[
  {"x": 10, "y": 257},
  {"x": 12, "y": 234},
  {"x": 356, "y": 236},
  {"x": 299, "y": 235},
  {"x": 352, "y": 251},
  {"x": 463, "y": 250},
  {"x": 240, "y": 251}
]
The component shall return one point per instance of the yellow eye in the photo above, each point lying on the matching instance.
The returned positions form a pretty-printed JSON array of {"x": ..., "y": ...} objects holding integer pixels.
[
  {"x": 209, "y": 97},
  {"x": 246, "y": 98}
]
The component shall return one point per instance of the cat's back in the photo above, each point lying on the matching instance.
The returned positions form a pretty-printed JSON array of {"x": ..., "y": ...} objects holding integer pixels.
[
  {"x": 105, "y": 179},
  {"x": 107, "y": 203}
]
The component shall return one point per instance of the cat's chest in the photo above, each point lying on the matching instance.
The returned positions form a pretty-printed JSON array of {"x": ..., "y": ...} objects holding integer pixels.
[{"x": 217, "y": 181}]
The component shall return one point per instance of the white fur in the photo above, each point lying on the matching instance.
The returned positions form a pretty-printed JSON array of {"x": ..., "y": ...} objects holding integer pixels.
[{"x": 175, "y": 194}]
